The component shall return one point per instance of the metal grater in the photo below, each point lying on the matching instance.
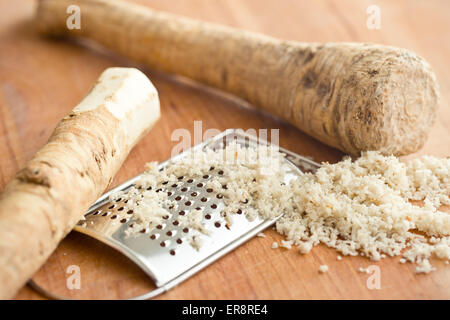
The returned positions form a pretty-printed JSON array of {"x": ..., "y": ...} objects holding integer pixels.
[{"x": 163, "y": 253}]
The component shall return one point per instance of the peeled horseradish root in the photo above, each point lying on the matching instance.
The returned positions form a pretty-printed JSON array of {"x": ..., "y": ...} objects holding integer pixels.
[{"x": 49, "y": 196}]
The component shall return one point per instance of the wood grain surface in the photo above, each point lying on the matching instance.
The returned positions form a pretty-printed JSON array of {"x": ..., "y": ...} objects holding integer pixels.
[{"x": 41, "y": 80}]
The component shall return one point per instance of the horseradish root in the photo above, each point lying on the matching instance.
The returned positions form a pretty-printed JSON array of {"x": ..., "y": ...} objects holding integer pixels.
[
  {"x": 47, "y": 197},
  {"x": 352, "y": 96}
]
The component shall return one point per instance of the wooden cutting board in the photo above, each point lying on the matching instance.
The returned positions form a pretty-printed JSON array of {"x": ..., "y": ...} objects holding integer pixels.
[{"x": 41, "y": 80}]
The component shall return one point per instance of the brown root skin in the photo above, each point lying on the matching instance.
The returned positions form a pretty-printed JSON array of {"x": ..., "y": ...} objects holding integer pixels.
[
  {"x": 47, "y": 197},
  {"x": 52, "y": 192},
  {"x": 351, "y": 96},
  {"x": 371, "y": 97}
]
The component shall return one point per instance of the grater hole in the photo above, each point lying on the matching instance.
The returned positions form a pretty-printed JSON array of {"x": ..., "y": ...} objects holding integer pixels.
[
  {"x": 175, "y": 223},
  {"x": 239, "y": 211},
  {"x": 169, "y": 193},
  {"x": 174, "y": 185},
  {"x": 105, "y": 214},
  {"x": 211, "y": 169},
  {"x": 208, "y": 216},
  {"x": 188, "y": 203},
  {"x": 194, "y": 194},
  {"x": 179, "y": 241},
  {"x": 186, "y": 230},
  {"x": 123, "y": 220},
  {"x": 184, "y": 189},
  {"x": 165, "y": 182},
  {"x": 172, "y": 252},
  {"x": 169, "y": 233},
  {"x": 180, "y": 178},
  {"x": 219, "y": 196},
  {"x": 158, "y": 190},
  {"x": 114, "y": 217},
  {"x": 120, "y": 209},
  {"x": 209, "y": 190},
  {"x": 178, "y": 198},
  {"x": 214, "y": 206},
  {"x": 143, "y": 230},
  {"x": 245, "y": 201},
  {"x": 111, "y": 207},
  {"x": 130, "y": 211},
  {"x": 182, "y": 213},
  {"x": 154, "y": 236},
  {"x": 217, "y": 224},
  {"x": 96, "y": 212},
  {"x": 149, "y": 188},
  {"x": 204, "y": 199},
  {"x": 118, "y": 200},
  {"x": 220, "y": 172},
  {"x": 163, "y": 244},
  {"x": 166, "y": 217},
  {"x": 198, "y": 208},
  {"x": 205, "y": 176},
  {"x": 159, "y": 226},
  {"x": 224, "y": 186},
  {"x": 190, "y": 181}
]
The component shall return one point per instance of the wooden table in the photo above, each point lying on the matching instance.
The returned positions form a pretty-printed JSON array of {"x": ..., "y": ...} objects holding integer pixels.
[{"x": 41, "y": 80}]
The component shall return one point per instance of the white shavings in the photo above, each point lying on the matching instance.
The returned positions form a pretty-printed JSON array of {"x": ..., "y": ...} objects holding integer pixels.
[
  {"x": 193, "y": 219},
  {"x": 144, "y": 203},
  {"x": 196, "y": 242},
  {"x": 323, "y": 268},
  {"x": 363, "y": 270},
  {"x": 429, "y": 180},
  {"x": 286, "y": 244},
  {"x": 248, "y": 181},
  {"x": 261, "y": 235},
  {"x": 304, "y": 247},
  {"x": 358, "y": 207},
  {"x": 424, "y": 267},
  {"x": 362, "y": 208},
  {"x": 421, "y": 251}
]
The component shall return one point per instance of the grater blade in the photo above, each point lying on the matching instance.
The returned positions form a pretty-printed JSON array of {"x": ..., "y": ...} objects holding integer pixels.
[{"x": 164, "y": 252}]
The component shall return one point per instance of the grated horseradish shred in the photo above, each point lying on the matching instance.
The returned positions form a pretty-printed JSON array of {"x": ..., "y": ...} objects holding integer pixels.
[{"x": 357, "y": 207}]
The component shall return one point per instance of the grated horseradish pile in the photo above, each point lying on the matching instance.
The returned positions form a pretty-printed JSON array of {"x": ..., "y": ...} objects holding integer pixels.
[{"x": 358, "y": 207}]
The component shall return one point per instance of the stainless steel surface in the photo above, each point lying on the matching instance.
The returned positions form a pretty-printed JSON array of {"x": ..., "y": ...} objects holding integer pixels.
[{"x": 164, "y": 253}]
